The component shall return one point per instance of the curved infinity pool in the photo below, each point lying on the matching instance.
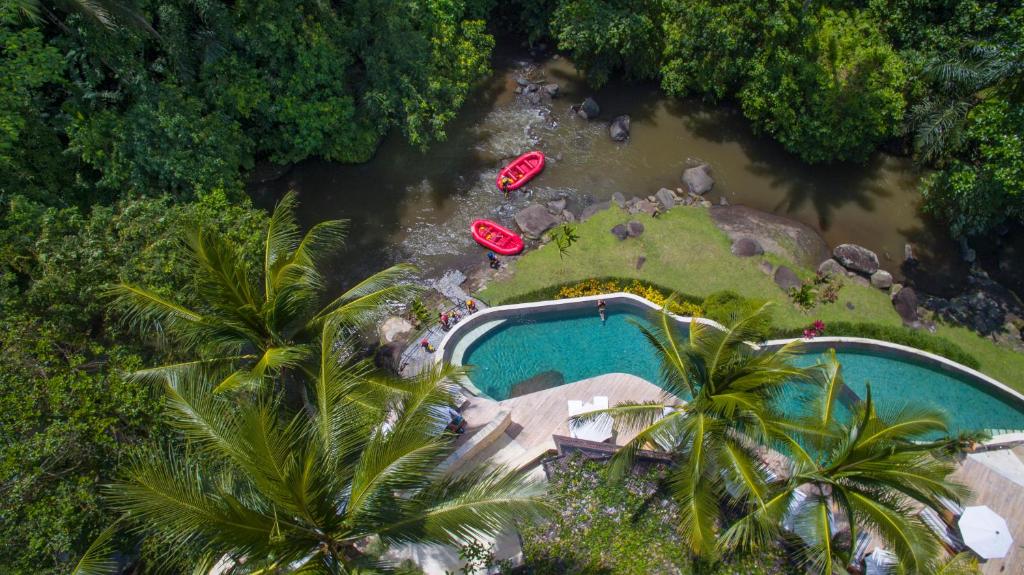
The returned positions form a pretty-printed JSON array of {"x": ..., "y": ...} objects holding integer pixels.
[{"x": 527, "y": 353}]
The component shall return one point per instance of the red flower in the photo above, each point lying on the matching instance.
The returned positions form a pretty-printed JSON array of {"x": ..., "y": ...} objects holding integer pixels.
[{"x": 819, "y": 326}]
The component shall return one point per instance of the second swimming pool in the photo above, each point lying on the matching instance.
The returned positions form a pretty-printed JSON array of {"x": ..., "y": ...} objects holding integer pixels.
[{"x": 542, "y": 349}]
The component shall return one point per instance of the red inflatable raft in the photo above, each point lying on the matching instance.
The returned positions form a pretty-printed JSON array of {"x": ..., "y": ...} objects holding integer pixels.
[
  {"x": 521, "y": 170},
  {"x": 496, "y": 238}
]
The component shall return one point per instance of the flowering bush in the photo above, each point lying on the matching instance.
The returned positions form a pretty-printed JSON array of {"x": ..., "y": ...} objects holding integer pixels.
[
  {"x": 817, "y": 328},
  {"x": 635, "y": 287}
]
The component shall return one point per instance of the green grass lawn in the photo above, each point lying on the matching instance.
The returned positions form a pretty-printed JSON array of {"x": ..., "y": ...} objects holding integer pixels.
[{"x": 686, "y": 252}]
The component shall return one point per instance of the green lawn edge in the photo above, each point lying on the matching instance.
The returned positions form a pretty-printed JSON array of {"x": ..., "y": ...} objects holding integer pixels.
[{"x": 686, "y": 252}]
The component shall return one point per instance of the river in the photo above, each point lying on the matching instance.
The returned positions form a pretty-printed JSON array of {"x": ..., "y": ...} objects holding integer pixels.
[{"x": 416, "y": 206}]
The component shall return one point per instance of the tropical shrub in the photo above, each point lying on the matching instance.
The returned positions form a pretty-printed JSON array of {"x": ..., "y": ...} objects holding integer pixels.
[
  {"x": 836, "y": 96},
  {"x": 636, "y": 287},
  {"x": 627, "y": 526}
]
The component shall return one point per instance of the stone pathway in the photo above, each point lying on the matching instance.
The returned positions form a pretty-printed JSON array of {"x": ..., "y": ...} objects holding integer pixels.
[{"x": 415, "y": 358}]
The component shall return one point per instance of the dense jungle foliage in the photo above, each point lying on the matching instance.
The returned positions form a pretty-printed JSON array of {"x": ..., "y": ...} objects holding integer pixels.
[{"x": 124, "y": 121}]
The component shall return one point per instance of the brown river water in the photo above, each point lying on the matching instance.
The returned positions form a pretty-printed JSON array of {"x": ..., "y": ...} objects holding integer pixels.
[{"x": 416, "y": 206}]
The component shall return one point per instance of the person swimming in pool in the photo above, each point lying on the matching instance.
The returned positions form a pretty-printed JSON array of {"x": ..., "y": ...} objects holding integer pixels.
[{"x": 602, "y": 310}]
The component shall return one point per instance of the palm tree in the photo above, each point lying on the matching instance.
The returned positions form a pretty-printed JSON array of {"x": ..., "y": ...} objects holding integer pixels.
[
  {"x": 865, "y": 472},
  {"x": 963, "y": 80},
  {"x": 714, "y": 436},
  {"x": 248, "y": 329},
  {"x": 273, "y": 493}
]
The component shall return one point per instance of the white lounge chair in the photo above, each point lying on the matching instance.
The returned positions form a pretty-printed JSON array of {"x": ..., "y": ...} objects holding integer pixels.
[
  {"x": 949, "y": 537},
  {"x": 600, "y": 402},
  {"x": 599, "y": 429},
  {"x": 880, "y": 562}
]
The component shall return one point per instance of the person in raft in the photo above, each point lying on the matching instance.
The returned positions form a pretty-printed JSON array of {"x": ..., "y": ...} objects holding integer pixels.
[
  {"x": 492, "y": 260},
  {"x": 470, "y": 306},
  {"x": 426, "y": 345},
  {"x": 505, "y": 183},
  {"x": 602, "y": 309}
]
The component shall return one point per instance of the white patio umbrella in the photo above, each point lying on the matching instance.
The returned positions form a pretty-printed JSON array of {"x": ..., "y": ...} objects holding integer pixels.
[{"x": 985, "y": 532}]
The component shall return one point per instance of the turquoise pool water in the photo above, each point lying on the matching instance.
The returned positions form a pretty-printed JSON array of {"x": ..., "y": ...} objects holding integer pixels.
[{"x": 544, "y": 349}]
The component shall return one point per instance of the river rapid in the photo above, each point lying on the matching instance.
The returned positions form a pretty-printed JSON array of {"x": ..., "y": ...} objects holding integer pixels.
[{"x": 410, "y": 205}]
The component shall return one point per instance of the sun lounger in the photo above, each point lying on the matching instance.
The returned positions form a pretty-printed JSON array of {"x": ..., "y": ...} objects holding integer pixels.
[
  {"x": 600, "y": 402},
  {"x": 860, "y": 549},
  {"x": 880, "y": 562},
  {"x": 599, "y": 429},
  {"x": 951, "y": 540}
]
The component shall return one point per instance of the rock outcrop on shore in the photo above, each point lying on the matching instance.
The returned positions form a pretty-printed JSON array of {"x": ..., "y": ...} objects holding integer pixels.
[{"x": 786, "y": 238}]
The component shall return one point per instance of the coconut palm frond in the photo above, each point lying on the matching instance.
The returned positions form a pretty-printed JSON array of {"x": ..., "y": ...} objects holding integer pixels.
[
  {"x": 675, "y": 363},
  {"x": 814, "y": 527},
  {"x": 405, "y": 457},
  {"x": 903, "y": 532},
  {"x": 168, "y": 496},
  {"x": 384, "y": 287},
  {"x": 472, "y": 505},
  {"x": 280, "y": 241},
  {"x": 98, "y": 557},
  {"x": 761, "y": 527},
  {"x": 225, "y": 283},
  {"x": 960, "y": 564},
  {"x": 145, "y": 311},
  {"x": 697, "y": 490},
  {"x": 273, "y": 360},
  {"x": 188, "y": 369},
  {"x": 320, "y": 242},
  {"x": 940, "y": 127}
]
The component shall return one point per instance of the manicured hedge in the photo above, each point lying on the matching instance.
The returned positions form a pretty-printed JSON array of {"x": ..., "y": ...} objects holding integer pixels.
[{"x": 901, "y": 335}]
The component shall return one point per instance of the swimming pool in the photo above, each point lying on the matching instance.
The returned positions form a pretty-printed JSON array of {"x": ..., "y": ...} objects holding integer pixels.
[{"x": 529, "y": 351}]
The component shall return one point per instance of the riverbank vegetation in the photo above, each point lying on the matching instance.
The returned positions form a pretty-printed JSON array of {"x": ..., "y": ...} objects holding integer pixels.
[
  {"x": 836, "y": 81},
  {"x": 684, "y": 252}
]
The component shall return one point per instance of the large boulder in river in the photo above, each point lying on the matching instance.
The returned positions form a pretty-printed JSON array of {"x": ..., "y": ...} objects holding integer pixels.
[
  {"x": 856, "y": 258},
  {"x": 698, "y": 180},
  {"x": 786, "y": 238},
  {"x": 746, "y": 247},
  {"x": 619, "y": 128},
  {"x": 786, "y": 279},
  {"x": 592, "y": 209},
  {"x": 534, "y": 220},
  {"x": 666, "y": 198},
  {"x": 589, "y": 109}
]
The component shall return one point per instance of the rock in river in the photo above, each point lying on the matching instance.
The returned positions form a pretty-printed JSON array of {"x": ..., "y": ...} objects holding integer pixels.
[
  {"x": 619, "y": 199},
  {"x": 856, "y": 258},
  {"x": 698, "y": 180},
  {"x": 534, "y": 220},
  {"x": 666, "y": 198},
  {"x": 746, "y": 247},
  {"x": 589, "y": 109},
  {"x": 619, "y": 128}
]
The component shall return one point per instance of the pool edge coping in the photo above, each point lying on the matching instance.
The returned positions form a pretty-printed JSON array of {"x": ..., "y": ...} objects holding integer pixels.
[{"x": 868, "y": 344}]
